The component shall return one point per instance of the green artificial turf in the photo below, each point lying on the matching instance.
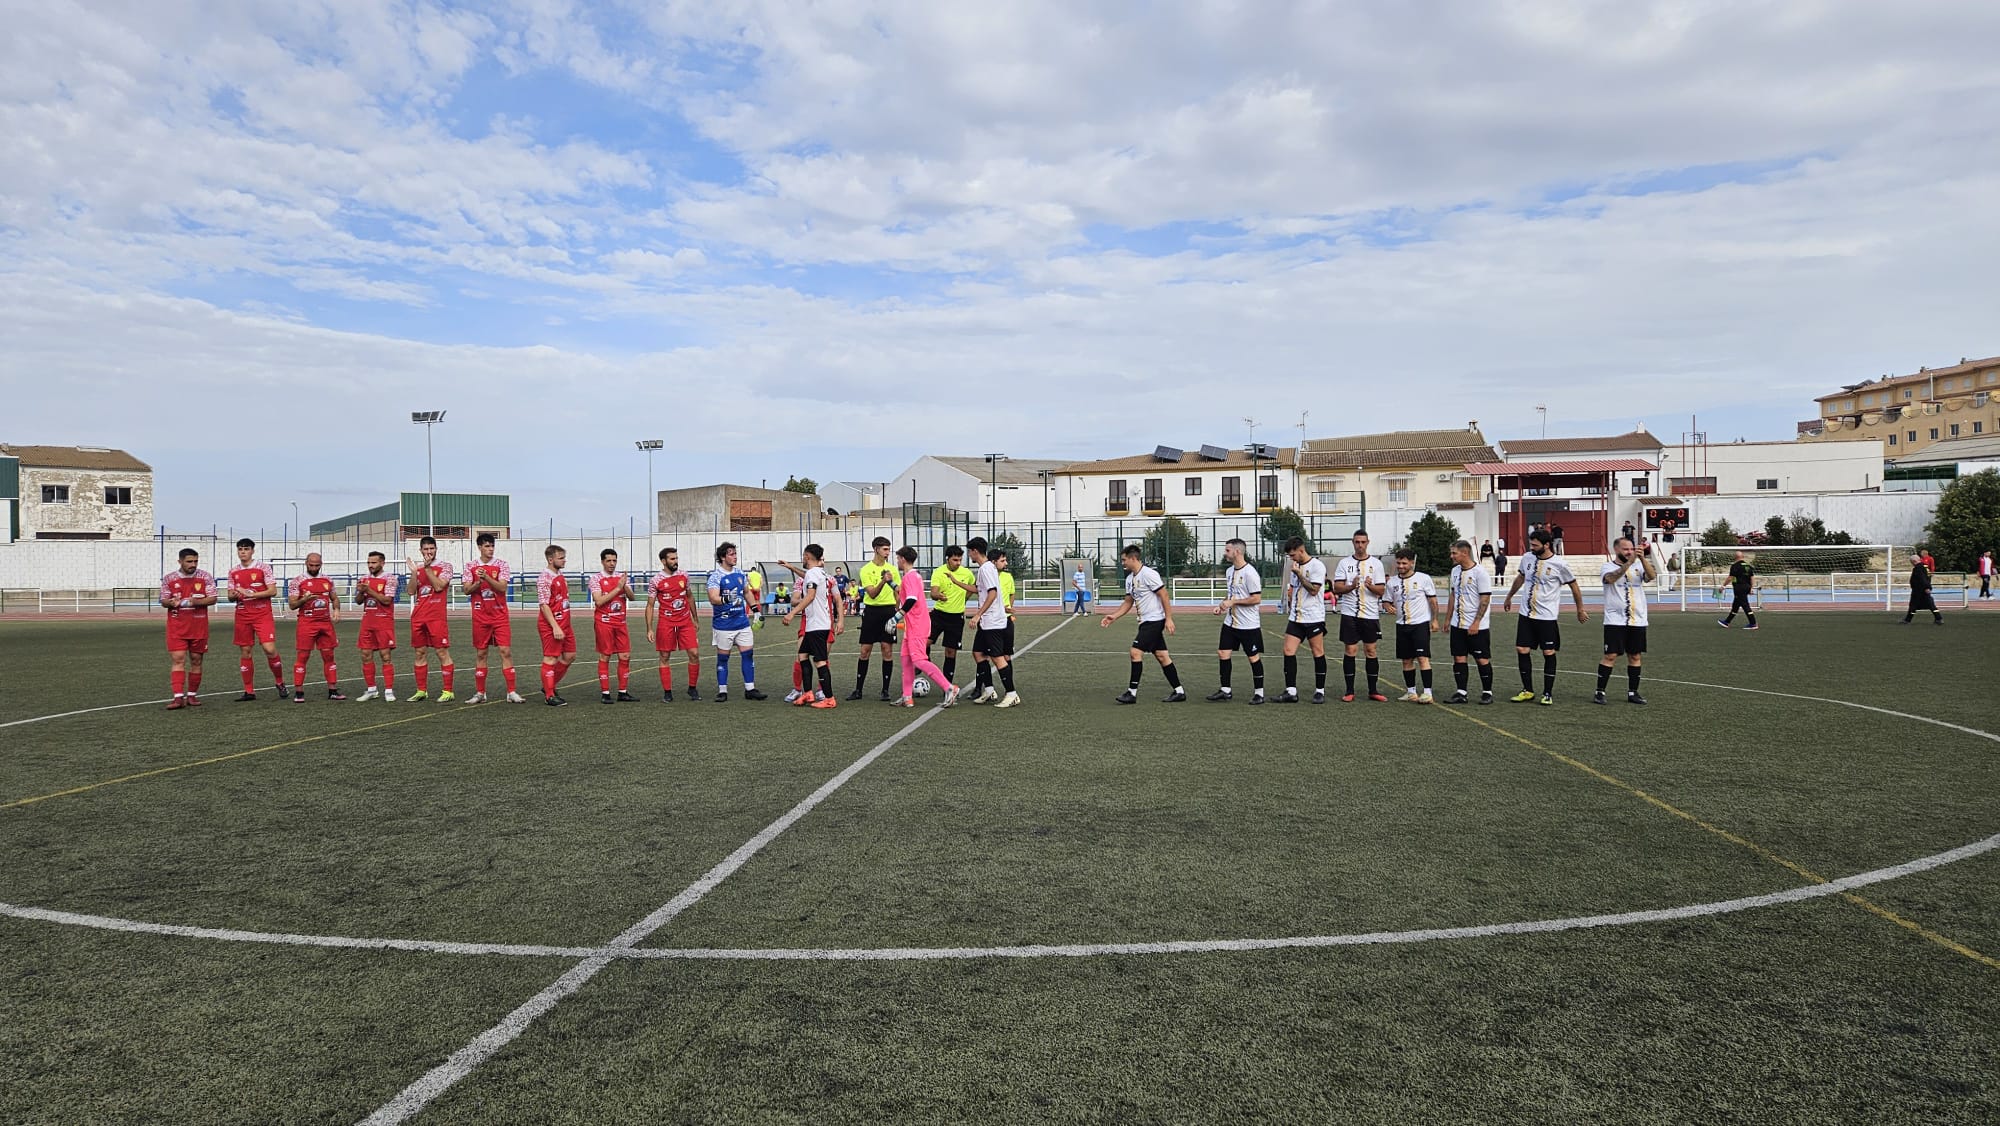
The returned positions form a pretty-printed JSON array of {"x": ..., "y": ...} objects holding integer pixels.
[{"x": 1069, "y": 820}]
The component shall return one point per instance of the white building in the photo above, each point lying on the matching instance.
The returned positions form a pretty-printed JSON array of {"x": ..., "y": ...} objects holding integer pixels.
[
  {"x": 1009, "y": 491},
  {"x": 81, "y": 493},
  {"x": 850, "y": 497},
  {"x": 1771, "y": 467},
  {"x": 1208, "y": 481}
]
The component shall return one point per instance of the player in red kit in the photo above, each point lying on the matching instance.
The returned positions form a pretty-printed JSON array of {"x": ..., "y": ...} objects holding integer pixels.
[
  {"x": 430, "y": 597},
  {"x": 318, "y": 605},
  {"x": 252, "y": 586},
  {"x": 610, "y": 593},
  {"x": 552, "y": 619},
  {"x": 670, "y": 624},
  {"x": 187, "y": 593},
  {"x": 485, "y": 585},
  {"x": 375, "y": 593}
]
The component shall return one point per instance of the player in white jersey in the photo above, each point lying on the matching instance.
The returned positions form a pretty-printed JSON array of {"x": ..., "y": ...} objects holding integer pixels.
[
  {"x": 989, "y": 640},
  {"x": 821, "y": 605},
  {"x": 1625, "y": 576},
  {"x": 1544, "y": 574},
  {"x": 1470, "y": 611},
  {"x": 1146, "y": 593},
  {"x": 1359, "y": 583},
  {"x": 1305, "y": 619},
  {"x": 1242, "y": 622},
  {"x": 1415, "y": 599}
]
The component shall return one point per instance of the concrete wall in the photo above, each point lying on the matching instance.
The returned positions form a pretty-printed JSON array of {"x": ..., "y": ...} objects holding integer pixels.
[
  {"x": 86, "y": 510},
  {"x": 706, "y": 508}
]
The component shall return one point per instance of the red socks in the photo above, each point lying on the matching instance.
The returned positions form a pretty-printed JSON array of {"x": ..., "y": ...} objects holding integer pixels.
[
  {"x": 179, "y": 680},
  {"x": 246, "y": 668},
  {"x": 604, "y": 676},
  {"x": 478, "y": 681},
  {"x": 666, "y": 677},
  {"x": 508, "y": 673},
  {"x": 448, "y": 671},
  {"x": 624, "y": 673},
  {"x": 548, "y": 680},
  {"x": 332, "y": 677},
  {"x": 423, "y": 677},
  {"x": 368, "y": 673}
]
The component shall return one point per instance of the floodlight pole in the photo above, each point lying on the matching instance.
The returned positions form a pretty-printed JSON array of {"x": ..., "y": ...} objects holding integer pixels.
[
  {"x": 427, "y": 420},
  {"x": 651, "y": 446},
  {"x": 993, "y": 496}
]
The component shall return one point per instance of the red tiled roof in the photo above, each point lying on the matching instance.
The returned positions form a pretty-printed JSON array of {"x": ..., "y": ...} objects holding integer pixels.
[{"x": 1544, "y": 468}]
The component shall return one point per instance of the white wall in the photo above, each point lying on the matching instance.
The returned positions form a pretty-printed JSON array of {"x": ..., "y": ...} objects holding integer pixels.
[
  {"x": 935, "y": 483},
  {"x": 1891, "y": 518},
  {"x": 1798, "y": 467},
  {"x": 86, "y": 510},
  {"x": 1084, "y": 494}
]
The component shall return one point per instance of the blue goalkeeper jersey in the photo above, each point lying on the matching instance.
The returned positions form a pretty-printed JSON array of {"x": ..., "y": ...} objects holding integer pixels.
[{"x": 734, "y": 587}]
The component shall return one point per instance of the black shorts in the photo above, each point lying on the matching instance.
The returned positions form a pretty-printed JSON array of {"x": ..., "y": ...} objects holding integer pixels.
[
  {"x": 1009, "y": 635},
  {"x": 875, "y": 624},
  {"x": 813, "y": 643},
  {"x": 1251, "y": 641},
  {"x": 1359, "y": 631},
  {"x": 1534, "y": 633},
  {"x": 1152, "y": 637},
  {"x": 948, "y": 629},
  {"x": 1413, "y": 640},
  {"x": 1624, "y": 640},
  {"x": 1466, "y": 643},
  {"x": 1305, "y": 631},
  {"x": 989, "y": 642}
]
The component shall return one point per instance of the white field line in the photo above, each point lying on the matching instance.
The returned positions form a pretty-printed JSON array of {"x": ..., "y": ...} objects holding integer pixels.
[
  {"x": 462, "y": 1062},
  {"x": 604, "y": 955}
]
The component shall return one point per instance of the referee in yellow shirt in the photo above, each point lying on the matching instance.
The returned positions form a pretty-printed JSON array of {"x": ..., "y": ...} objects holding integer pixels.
[
  {"x": 950, "y": 584},
  {"x": 878, "y": 606}
]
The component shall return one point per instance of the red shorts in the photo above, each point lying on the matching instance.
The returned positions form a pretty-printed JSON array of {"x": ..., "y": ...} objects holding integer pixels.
[
  {"x": 378, "y": 636},
  {"x": 488, "y": 632},
  {"x": 613, "y": 637},
  {"x": 316, "y": 635},
  {"x": 672, "y": 636},
  {"x": 252, "y": 628},
  {"x": 553, "y": 648},
  {"x": 430, "y": 635},
  {"x": 187, "y": 639}
]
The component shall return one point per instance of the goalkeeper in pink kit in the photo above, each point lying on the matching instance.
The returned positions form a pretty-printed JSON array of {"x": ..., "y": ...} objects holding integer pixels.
[{"x": 913, "y": 616}]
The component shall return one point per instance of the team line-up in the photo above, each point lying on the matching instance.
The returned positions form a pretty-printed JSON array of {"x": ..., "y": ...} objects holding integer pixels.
[{"x": 902, "y": 611}]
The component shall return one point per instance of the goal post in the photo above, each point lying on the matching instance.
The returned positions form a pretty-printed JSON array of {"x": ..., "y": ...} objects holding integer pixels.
[{"x": 1825, "y": 575}]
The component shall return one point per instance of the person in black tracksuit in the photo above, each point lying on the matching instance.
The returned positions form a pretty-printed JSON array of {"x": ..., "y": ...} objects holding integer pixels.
[
  {"x": 1920, "y": 593},
  {"x": 1742, "y": 581}
]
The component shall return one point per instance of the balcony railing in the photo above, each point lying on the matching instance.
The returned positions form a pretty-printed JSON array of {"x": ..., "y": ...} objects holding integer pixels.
[
  {"x": 1231, "y": 504},
  {"x": 1154, "y": 506},
  {"x": 1267, "y": 503},
  {"x": 1117, "y": 507}
]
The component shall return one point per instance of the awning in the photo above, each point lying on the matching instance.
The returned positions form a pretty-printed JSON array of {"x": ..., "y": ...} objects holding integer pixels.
[{"x": 1554, "y": 468}]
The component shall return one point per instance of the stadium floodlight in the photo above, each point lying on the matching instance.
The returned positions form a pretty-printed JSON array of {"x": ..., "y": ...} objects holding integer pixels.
[
  {"x": 427, "y": 420},
  {"x": 993, "y": 484},
  {"x": 650, "y": 446}
]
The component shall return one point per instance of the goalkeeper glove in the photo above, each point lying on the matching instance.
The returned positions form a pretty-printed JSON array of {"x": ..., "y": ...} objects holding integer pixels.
[{"x": 896, "y": 620}]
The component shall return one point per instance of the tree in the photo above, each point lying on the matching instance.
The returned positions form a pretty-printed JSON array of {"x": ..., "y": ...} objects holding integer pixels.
[
  {"x": 1017, "y": 553},
  {"x": 1719, "y": 534},
  {"x": 801, "y": 485},
  {"x": 1170, "y": 546},
  {"x": 1431, "y": 537},
  {"x": 1777, "y": 532},
  {"x": 1967, "y": 521},
  {"x": 1281, "y": 525}
]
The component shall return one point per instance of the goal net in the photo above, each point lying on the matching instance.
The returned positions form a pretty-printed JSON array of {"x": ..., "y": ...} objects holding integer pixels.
[{"x": 1823, "y": 576}]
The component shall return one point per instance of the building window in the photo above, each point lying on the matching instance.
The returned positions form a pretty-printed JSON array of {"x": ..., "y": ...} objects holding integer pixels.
[
  {"x": 1399, "y": 490},
  {"x": 1767, "y": 484},
  {"x": 1471, "y": 488},
  {"x": 1913, "y": 435},
  {"x": 1892, "y": 439},
  {"x": 1641, "y": 486},
  {"x": 1156, "y": 495},
  {"x": 1117, "y": 491},
  {"x": 1909, "y": 392},
  {"x": 1954, "y": 429},
  {"x": 1267, "y": 490},
  {"x": 1933, "y": 433},
  {"x": 1539, "y": 492},
  {"x": 118, "y": 494},
  {"x": 55, "y": 494},
  {"x": 1978, "y": 427},
  {"x": 1191, "y": 487},
  {"x": 1232, "y": 492}
]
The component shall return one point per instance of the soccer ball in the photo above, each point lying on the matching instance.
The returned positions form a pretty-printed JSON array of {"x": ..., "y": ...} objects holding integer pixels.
[{"x": 922, "y": 686}]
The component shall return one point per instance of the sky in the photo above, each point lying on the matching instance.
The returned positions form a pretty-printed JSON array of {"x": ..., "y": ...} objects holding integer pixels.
[{"x": 245, "y": 240}]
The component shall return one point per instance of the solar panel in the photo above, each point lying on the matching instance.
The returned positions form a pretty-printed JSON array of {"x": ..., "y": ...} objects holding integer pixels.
[
  {"x": 1214, "y": 453},
  {"x": 1166, "y": 453}
]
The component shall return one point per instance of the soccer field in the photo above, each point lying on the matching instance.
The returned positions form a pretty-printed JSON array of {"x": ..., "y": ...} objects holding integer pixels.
[{"x": 1069, "y": 911}]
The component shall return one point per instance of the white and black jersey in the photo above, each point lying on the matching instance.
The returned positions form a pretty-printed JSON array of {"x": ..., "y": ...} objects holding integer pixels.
[
  {"x": 1468, "y": 585},
  {"x": 1305, "y": 589},
  {"x": 1624, "y": 595},
  {"x": 995, "y": 617},
  {"x": 1542, "y": 583},
  {"x": 818, "y": 611},
  {"x": 1411, "y": 598},
  {"x": 1364, "y": 573},
  {"x": 1143, "y": 588},
  {"x": 1243, "y": 582}
]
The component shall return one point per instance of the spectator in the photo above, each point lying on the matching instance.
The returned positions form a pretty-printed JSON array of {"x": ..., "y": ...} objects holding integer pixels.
[
  {"x": 1920, "y": 591},
  {"x": 1627, "y": 531},
  {"x": 1986, "y": 574},
  {"x": 1499, "y": 557}
]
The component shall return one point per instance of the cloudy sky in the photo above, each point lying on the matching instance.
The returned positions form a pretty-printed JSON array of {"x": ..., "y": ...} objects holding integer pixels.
[{"x": 244, "y": 240}]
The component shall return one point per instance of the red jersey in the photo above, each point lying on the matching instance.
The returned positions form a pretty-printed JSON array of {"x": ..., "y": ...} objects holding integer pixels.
[
  {"x": 489, "y": 605},
  {"x": 428, "y": 599},
  {"x": 671, "y": 593},
  {"x": 372, "y": 612},
  {"x": 253, "y": 578},
  {"x": 176, "y": 586},
  {"x": 318, "y": 595},
  {"x": 612, "y": 612},
  {"x": 552, "y": 590}
]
